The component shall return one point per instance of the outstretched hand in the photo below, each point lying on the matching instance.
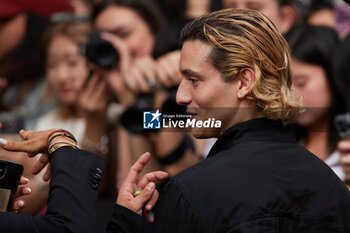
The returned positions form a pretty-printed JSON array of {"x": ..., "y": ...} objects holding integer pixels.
[{"x": 149, "y": 195}]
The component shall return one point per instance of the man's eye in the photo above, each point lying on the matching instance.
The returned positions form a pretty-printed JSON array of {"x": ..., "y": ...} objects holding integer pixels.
[{"x": 193, "y": 81}]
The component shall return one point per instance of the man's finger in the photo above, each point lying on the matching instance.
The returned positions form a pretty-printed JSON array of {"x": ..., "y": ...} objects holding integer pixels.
[
  {"x": 136, "y": 169},
  {"x": 151, "y": 177},
  {"x": 145, "y": 195},
  {"x": 152, "y": 202}
]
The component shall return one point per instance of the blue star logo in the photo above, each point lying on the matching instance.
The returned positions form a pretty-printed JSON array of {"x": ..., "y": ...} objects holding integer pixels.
[{"x": 151, "y": 120}]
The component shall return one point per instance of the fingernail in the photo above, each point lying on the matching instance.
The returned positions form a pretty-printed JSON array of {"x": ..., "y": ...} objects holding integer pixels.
[
  {"x": 20, "y": 203},
  {"x": 150, "y": 186},
  {"x": 29, "y": 190},
  {"x": 26, "y": 179},
  {"x": 3, "y": 142},
  {"x": 149, "y": 206}
]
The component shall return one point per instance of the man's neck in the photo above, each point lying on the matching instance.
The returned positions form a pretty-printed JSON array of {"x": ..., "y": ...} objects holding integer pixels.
[{"x": 242, "y": 115}]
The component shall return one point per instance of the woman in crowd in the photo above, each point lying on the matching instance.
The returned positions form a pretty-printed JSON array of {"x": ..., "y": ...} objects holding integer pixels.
[
  {"x": 132, "y": 27},
  {"x": 321, "y": 13},
  {"x": 312, "y": 51},
  {"x": 22, "y": 55},
  {"x": 81, "y": 95},
  {"x": 82, "y": 99},
  {"x": 342, "y": 71},
  {"x": 282, "y": 13}
]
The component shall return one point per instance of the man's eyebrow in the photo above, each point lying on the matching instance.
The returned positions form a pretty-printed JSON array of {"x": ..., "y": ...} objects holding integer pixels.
[{"x": 188, "y": 72}]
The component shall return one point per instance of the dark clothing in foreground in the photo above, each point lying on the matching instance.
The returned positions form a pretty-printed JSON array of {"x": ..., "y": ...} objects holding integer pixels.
[
  {"x": 72, "y": 198},
  {"x": 255, "y": 179}
]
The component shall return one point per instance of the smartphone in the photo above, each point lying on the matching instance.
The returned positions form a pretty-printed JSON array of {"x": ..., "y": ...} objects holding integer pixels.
[
  {"x": 10, "y": 175},
  {"x": 342, "y": 124}
]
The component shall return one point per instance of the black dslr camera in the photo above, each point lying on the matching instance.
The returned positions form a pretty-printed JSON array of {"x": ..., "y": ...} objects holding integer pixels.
[
  {"x": 100, "y": 52},
  {"x": 132, "y": 118}
]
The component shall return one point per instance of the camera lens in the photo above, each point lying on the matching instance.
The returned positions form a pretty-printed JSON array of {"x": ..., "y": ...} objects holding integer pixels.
[
  {"x": 101, "y": 52},
  {"x": 132, "y": 118}
]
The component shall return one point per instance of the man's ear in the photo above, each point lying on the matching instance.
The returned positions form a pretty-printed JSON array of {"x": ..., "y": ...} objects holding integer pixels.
[
  {"x": 288, "y": 16},
  {"x": 246, "y": 79}
]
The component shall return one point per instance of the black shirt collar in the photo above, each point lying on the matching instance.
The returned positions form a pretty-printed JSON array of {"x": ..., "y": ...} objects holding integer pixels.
[{"x": 259, "y": 129}]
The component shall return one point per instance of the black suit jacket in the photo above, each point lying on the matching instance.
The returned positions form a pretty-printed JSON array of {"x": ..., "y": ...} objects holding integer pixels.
[
  {"x": 256, "y": 179},
  {"x": 76, "y": 175}
]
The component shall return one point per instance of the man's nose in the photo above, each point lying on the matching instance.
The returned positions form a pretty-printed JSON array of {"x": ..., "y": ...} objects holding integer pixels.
[{"x": 183, "y": 94}]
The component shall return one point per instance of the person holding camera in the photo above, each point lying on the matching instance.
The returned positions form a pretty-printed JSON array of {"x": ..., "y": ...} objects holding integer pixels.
[
  {"x": 236, "y": 68},
  {"x": 131, "y": 27},
  {"x": 81, "y": 101},
  {"x": 81, "y": 96},
  {"x": 75, "y": 178},
  {"x": 135, "y": 25}
]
